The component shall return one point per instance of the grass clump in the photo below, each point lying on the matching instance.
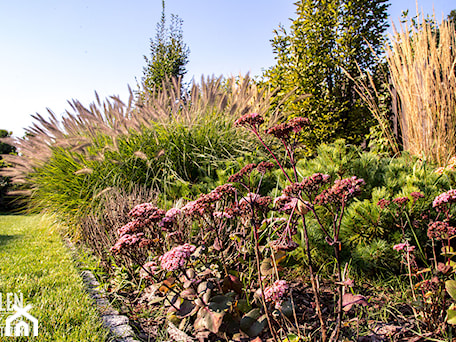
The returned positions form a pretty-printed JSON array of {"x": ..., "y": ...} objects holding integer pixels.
[
  {"x": 170, "y": 141},
  {"x": 36, "y": 263},
  {"x": 421, "y": 62}
]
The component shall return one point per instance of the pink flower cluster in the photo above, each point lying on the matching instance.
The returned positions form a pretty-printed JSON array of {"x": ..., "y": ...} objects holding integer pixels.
[
  {"x": 253, "y": 120},
  {"x": 401, "y": 201},
  {"x": 341, "y": 191},
  {"x": 130, "y": 228},
  {"x": 440, "y": 230},
  {"x": 222, "y": 214},
  {"x": 404, "y": 246},
  {"x": 416, "y": 195},
  {"x": 176, "y": 257},
  {"x": 127, "y": 241},
  {"x": 309, "y": 185},
  {"x": 283, "y": 130},
  {"x": 173, "y": 212},
  {"x": 383, "y": 203},
  {"x": 206, "y": 202},
  {"x": 276, "y": 291},
  {"x": 261, "y": 203},
  {"x": 147, "y": 213},
  {"x": 168, "y": 221},
  {"x": 286, "y": 203},
  {"x": 265, "y": 166},
  {"x": 245, "y": 171},
  {"x": 250, "y": 198},
  {"x": 442, "y": 201}
]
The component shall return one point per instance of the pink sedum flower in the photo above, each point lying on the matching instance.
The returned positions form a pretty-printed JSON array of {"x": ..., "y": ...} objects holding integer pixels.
[
  {"x": 250, "y": 198},
  {"x": 176, "y": 257},
  {"x": 250, "y": 120},
  {"x": 126, "y": 241},
  {"x": 276, "y": 291},
  {"x": 404, "y": 246},
  {"x": 173, "y": 212},
  {"x": 130, "y": 228},
  {"x": 441, "y": 202},
  {"x": 400, "y": 246},
  {"x": 222, "y": 214}
]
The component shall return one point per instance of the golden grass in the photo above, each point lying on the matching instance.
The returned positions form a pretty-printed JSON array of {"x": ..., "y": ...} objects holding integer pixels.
[{"x": 421, "y": 60}]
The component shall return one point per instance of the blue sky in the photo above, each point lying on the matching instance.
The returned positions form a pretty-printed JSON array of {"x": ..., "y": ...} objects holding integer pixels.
[{"x": 54, "y": 51}]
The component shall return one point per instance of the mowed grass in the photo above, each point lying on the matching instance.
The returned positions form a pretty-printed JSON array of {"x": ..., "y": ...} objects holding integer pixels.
[{"x": 35, "y": 261}]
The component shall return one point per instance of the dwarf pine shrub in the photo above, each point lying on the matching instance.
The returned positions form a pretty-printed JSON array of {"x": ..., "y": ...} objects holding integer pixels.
[{"x": 369, "y": 231}]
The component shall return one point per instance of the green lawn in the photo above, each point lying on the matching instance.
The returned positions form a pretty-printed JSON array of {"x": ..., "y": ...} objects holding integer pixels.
[{"x": 35, "y": 262}]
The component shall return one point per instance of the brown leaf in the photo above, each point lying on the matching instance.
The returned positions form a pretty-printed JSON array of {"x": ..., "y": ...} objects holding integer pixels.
[
  {"x": 167, "y": 284},
  {"x": 232, "y": 283},
  {"x": 348, "y": 300}
]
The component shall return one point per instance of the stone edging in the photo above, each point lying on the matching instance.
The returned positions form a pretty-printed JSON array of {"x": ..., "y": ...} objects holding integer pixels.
[{"x": 111, "y": 319}]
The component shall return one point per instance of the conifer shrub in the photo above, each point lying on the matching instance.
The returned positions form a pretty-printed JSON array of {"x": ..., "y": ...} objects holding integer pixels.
[{"x": 369, "y": 230}]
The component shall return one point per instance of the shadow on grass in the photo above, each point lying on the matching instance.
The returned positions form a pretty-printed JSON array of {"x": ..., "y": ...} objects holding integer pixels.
[{"x": 6, "y": 239}]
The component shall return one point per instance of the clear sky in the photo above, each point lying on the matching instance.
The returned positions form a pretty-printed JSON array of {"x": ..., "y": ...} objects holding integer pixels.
[{"x": 57, "y": 50}]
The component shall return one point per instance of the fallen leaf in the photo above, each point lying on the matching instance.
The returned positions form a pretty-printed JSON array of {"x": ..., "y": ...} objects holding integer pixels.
[{"x": 348, "y": 300}]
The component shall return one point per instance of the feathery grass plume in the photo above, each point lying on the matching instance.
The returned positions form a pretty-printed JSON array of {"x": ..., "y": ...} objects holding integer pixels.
[
  {"x": 421, "y": 61},
  {"x": 140, "y": 155},
  {"x": 85, "y": 171}
]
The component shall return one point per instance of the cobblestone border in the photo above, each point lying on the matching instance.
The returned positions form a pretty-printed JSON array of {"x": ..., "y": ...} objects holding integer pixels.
[
  {"x": 117, "y": 324},
  {"x": 111, "y": 319}
]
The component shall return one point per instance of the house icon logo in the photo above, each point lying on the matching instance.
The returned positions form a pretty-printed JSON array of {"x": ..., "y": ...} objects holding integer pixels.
[{"x": 15, "y": 327}]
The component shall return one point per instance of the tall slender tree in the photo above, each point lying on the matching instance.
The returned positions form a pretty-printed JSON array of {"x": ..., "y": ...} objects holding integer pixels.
[
  {"x": 168, "y": 53},
  {"x": 327, "y": 38}
]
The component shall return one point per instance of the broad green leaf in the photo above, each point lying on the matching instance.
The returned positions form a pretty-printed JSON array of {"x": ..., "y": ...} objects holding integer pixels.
[
  {"x": 451, "y": 319},
  {"x": 291, "y": 338},
  {"x": 450, "y": 286}
]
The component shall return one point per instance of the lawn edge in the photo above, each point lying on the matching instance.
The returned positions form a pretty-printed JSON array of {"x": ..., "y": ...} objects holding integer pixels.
[{"x": 117, "y": 324}]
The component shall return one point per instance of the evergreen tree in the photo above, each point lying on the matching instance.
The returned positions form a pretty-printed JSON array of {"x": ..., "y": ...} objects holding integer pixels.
[
  {"x": 326, "y": 38},
  {"x": 452, "y": 16},
  {"x": 168, "y": 53},
  {"x": 5, "y": 182}
]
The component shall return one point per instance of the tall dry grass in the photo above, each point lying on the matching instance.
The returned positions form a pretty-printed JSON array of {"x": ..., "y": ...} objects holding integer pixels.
[{"x": 421, "y": 60}]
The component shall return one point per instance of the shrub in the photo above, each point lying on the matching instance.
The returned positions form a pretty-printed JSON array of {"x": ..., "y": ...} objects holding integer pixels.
[{"x": 365, "y": 229}]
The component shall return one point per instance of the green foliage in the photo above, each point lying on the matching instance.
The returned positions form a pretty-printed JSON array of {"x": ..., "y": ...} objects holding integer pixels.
[
  {"x": 175, "y": 159},
  {"x": 452, "y": 16},
  {"x": 168, "y": 53},
  {"x": 5, "y": 183},
  {"x": 326, "y": 38},
  {"x": 6, "y": 148}
]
